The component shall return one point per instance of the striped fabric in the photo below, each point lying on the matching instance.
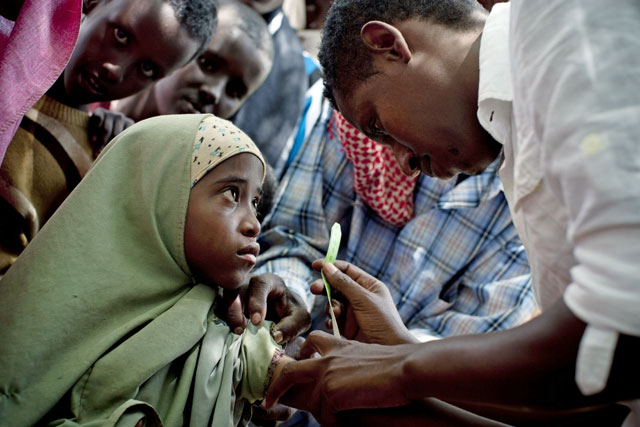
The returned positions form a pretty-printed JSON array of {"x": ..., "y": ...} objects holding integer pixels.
[{"x": 457, "y": 267}]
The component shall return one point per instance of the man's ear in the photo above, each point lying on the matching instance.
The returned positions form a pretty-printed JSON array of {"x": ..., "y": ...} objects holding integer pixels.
[{"x": 386, "y": 39}]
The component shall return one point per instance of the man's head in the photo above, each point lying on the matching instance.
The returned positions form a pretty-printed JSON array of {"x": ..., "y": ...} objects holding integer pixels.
[
  {"x": 125, "y": 45},
  {"x": 405, "y": 72},
  {"x": 236, "y": 62},
  {"x": 263, "y": 6}
]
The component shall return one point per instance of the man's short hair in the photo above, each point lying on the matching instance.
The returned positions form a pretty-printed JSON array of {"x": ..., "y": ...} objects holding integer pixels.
[
  {"x": 343, "y": 56},
  {"x": 253, "y": 25},
  {"x": 199, "y": 17}
]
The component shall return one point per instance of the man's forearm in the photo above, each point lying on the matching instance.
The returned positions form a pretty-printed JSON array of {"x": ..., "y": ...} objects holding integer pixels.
[{"x": 532, "y": 365}]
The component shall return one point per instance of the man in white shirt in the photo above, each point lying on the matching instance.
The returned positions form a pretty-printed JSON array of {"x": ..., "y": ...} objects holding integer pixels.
[{"x": 553, "y": 89}]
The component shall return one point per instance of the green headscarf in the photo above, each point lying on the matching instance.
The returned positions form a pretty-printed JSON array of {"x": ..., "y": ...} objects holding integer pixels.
[{"x": 101, "y": 321}]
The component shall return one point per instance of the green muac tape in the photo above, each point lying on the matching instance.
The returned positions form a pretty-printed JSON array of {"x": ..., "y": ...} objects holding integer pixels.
[{"x": 332, "y": 252}]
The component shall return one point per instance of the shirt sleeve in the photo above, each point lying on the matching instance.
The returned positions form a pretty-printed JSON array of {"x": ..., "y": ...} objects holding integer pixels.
[
  {"x": 575, "y": 65},
  {"x": 581, "y": 84}
]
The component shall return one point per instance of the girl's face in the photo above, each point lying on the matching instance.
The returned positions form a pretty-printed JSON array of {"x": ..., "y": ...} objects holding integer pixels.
[{"x": 221, "y": 226}]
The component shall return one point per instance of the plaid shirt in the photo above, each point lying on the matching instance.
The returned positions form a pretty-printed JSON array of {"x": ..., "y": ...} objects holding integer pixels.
[{"x": 457, "y": 267}]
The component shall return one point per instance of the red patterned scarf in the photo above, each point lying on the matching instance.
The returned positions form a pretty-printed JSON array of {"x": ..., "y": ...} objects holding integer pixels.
[{"x": 378, "y": 179}]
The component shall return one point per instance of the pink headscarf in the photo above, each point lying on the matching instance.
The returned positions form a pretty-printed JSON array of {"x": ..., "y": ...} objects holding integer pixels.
[
  {"x": 33, "y": 53},
  {"x": 378, "y": 179}
]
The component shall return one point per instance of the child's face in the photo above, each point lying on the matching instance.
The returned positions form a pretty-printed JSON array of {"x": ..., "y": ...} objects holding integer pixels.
[
  {"x": 221, "y": 227},
  {"x": 124, "y": 46},
  {"x": 220, "y": 79}
]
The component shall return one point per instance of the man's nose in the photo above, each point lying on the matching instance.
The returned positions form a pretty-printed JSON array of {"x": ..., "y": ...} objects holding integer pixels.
[{"x": 406, "y": 159}]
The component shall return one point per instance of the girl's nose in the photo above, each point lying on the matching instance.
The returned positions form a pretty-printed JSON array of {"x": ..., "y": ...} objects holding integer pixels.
[{"x": 250, "y": 224}]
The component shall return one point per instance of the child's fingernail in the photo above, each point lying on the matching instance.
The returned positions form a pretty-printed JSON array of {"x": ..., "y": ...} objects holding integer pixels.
[
  {"x": 329, "y": 268},
  {"x": 256, "y": 318},
  {"x": 277, "y": 336},
  {"x": 238, "y": 330}
]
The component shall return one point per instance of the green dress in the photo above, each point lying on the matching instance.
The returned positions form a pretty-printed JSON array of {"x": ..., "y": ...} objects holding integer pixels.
[{"x": 101, "y": 320}]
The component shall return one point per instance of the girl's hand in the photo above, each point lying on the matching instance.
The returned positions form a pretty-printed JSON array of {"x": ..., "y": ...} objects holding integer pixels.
[{"x": 267, "y": 297}]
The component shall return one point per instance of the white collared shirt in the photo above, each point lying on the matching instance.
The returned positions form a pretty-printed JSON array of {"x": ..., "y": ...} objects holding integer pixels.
[{"x": 564, "y": 100}]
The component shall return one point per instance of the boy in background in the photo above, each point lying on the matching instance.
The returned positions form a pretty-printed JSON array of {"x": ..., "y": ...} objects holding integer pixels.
[
  {"x": 236, "y": 62},
  {"x": 279, "y": 102},
  {"x": 114, "y": 58}
]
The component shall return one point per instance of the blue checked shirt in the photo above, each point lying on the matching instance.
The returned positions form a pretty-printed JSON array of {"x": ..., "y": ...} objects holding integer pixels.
[{"x": 457, "y": 267}]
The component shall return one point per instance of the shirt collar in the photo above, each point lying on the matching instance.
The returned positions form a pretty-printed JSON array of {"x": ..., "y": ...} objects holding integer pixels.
[{"x": 494, "y": 89}]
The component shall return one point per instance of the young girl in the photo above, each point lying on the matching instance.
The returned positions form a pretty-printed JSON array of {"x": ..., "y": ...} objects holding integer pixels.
[{"x": 108, "y": 316}]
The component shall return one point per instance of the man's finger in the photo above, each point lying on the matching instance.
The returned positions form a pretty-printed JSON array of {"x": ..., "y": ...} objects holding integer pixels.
[
  {"x": 293, "y": 373},
  {"x": 344, "y": 284},
  {"x": 318, "y": 342},
  {"x": 277, "y": 413},
  {"x": 293, "y": 325},
  {"x": 317, "y": 287},
  {"x": 351, "y": 328},
  {"x": 358, "y": 275}
]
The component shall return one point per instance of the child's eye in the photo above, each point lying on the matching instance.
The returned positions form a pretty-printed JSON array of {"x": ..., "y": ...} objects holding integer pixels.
[
  {"x": 206, "y": 64},
  {"x": 148, "y": 69},
  {"x": 231, "y": 194},
  {"x": 256, "y": 202},
  {"x": 236, "y": 89},
  {"x": 121, "y": 36}
]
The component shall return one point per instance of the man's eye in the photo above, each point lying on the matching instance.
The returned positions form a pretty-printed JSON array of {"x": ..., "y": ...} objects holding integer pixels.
[
  {"x": 148, "y": 69},
  {"x": 375, "y": 130},
  {"x": 121, "y": 36}
]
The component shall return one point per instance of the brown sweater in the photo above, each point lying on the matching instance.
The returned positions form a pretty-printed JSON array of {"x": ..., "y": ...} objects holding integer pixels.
[{"x": 46, "y": 159}]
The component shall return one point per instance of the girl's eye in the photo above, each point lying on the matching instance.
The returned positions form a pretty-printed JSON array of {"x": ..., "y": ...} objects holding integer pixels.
[
  {"x": 148, "y": 69},
  {"x": 256, "y": 202},
  {"x": 121, "y": 36},
  {"x": 231, "y": 194}
]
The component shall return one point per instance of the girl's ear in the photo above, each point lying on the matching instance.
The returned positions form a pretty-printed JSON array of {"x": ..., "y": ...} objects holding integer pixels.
[{"x": 383, "y": 38}]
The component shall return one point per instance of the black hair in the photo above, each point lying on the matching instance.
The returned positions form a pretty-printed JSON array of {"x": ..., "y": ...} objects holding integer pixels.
[
  {"x": 344, "y": 57},
  {"x": 199, "y": 17},
  {"x": 253, "y": 25}
]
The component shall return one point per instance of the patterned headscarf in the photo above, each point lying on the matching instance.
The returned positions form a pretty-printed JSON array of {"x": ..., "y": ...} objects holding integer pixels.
[
  {"x": 217, "y": 140},
  {"x": 378, "y": 179}
]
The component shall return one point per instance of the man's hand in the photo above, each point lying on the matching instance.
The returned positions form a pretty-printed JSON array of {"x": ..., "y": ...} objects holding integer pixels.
[
  {"x": 369, "y": 314},
  {"x": 267, "y": 297},
  {"x": 104, "y": 125},
  {"x": 349, "y": 375},
  {"x": 271, "y": 417}
]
